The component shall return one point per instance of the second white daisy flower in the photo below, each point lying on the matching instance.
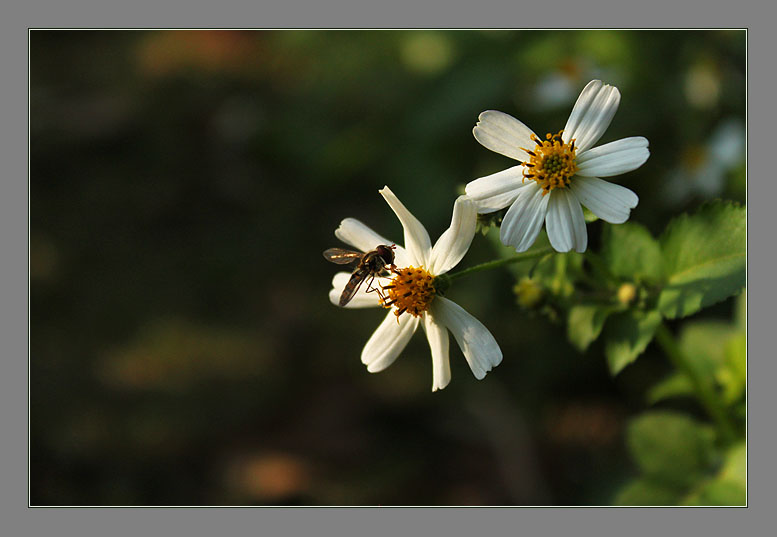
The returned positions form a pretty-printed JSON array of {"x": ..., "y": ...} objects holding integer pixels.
[
  {"x": 413, "y": 297},
  {"x": 558, "y": 174}
]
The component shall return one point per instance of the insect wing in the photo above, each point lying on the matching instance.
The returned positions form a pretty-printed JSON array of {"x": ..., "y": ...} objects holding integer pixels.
[
  {"x": 341, "y": 256},
  {"x": 353, "y": 285}
]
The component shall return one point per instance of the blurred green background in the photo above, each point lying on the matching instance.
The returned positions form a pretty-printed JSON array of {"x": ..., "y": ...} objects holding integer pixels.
[{"x": 183, "y": 185}]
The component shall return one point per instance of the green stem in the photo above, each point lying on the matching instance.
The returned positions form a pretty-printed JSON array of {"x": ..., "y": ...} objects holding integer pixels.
[
  {"x": 499, "y": 262},
  {"x": 703, "y": 390}
]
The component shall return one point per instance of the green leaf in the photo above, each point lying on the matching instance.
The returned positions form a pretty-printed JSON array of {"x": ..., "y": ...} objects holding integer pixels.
[
  {"x": 718, "y": 492},
  {"x": 704, "y": 343},
  {"x": 740, "y": 315},
  {"x": 647, "y": 492},
  {"x": 627, "y": 335},
  {"x": 585, "y": 323},
  {"x": 735, "y": 466},
  {"x": 676, "y": 385},
  {"x": 716, "y": 352},
  {"x": 670, "y": 448},
  {"x": 704, "y": 258},
  {"x": 676, "y": 455},
  {"x": 732, "y": 375},
  {"x": 631, "y": 252},
  {"x": 729, "y": 487}
]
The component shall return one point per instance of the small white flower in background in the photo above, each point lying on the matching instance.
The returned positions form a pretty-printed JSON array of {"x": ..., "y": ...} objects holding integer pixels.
[
  {"x": 412, "y": 297},
  {"x": 557, "y": 174}
]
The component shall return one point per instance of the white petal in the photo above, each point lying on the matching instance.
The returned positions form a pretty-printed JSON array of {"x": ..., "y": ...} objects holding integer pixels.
[
  {"x": 583, "y": 102},
  {"x": 362, "y": 299},
  {"x": 591, "y": 114},
  {"x": 417, "y": 241},
  {"x": 503, "y": 134},
  {"x": 523, "y": 221},
  {"x": 565, "y": 222},
  {"x": 614, "y": 158},
  {"x": 496, "y": 191},
  {"x": 478, "y": 345},
  {"x": 454, "y": 242},
  {"x": 610, "y": 202},
  {"x": 361, "y": 237},
  {"x": 437, "y": 335},
  {"x": 354, "y": 233},
  {"x": 388, "y": 341}
]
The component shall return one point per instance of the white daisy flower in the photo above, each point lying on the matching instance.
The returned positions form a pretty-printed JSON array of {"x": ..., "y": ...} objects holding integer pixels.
[
  {"x": 411, "y": 294},
  {"x": 557, "y": 175}
]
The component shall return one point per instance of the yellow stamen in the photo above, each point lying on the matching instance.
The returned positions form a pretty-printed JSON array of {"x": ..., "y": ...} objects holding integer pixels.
[
  {"x": 551, "y": 163},
  {"x": 411, "y": 290}
]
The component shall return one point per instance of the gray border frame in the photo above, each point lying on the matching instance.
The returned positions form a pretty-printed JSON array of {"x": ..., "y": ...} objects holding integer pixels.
[{"x": 14, "y": 325}]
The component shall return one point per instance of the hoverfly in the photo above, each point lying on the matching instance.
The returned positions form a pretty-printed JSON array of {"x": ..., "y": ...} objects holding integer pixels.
[{"x": 370, "y": 265}]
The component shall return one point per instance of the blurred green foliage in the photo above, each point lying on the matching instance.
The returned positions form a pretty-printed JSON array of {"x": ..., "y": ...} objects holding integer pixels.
[
  {"x": 182, "y": 187},
  {"x": 676, "y": 456},
  {"x": 716, "y": 350}
]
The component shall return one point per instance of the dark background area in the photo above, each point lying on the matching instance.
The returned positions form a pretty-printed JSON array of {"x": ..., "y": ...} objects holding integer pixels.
[{"x": 183, "y": 185}]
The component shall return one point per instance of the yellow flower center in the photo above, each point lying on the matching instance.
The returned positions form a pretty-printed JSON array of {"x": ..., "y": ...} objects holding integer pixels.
[
  {"x": 411, "y": 290},
  {"x": 551, "y": 163}
]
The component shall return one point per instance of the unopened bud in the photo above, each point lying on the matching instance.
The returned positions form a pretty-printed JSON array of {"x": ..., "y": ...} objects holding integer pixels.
[
  {"x": 627, "y": 292},
  {"x": 528, "y": 292}
]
